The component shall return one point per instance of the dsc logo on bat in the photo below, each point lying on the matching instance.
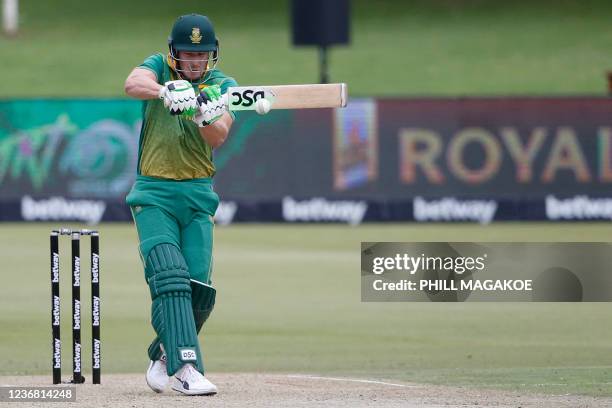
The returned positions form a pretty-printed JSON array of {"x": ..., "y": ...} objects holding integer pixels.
[{"x": 245, "y": 97}]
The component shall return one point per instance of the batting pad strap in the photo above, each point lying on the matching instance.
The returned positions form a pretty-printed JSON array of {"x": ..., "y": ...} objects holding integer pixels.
[
  {"x": 169, "y": 281},
  {"x": 164, "y": 257}
]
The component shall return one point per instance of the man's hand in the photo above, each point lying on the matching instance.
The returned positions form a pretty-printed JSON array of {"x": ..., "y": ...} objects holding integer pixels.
[
  {"x": 211, "y": 106},
  {"x": 179, "y": 97}
]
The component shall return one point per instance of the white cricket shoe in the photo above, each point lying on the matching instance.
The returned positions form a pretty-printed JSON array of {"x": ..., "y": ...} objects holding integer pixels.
[
  {"x": 157, "y": 377},
  {"x": 190, "y": 381}
]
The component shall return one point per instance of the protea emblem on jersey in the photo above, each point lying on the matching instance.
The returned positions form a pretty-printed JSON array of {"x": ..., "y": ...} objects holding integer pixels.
[{"x": 195, "y": 36}]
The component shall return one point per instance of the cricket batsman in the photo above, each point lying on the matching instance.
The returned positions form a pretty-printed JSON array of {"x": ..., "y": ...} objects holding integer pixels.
[{"x": 173, "y": 201}]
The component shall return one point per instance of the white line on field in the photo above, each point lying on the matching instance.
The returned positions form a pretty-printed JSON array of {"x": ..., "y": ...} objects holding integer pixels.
[
  {"x": 549, "y": 384},
  {"x": 314, "y": 377}
]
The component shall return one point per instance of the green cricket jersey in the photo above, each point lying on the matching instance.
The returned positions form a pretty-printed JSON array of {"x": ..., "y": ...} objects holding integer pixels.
[{"x": 171, "y": 147}]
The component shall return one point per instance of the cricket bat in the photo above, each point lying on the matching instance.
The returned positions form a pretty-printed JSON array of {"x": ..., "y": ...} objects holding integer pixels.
[{"x": 287, "y": 96}]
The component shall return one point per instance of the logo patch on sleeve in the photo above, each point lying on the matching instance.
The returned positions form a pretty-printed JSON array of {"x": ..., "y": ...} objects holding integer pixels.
[{"x": 187, "y": 354}]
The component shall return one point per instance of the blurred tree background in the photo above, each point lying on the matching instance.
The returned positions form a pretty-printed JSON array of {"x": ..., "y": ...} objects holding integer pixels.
[{"x": 439, "y": 47}]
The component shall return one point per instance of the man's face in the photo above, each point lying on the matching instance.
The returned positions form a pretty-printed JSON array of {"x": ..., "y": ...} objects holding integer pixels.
[{"x": 192, "y": 64}]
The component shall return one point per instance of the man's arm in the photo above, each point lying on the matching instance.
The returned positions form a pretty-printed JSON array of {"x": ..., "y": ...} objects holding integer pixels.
[
  {"x": 216, "y": 133},
  {"x": 142, "y": 84}
]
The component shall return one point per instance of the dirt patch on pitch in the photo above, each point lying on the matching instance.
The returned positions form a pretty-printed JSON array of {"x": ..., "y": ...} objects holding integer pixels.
[{"x": 293, "y": 390}]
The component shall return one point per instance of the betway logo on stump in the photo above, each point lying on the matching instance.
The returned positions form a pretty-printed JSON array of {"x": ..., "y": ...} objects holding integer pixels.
[
  {"x": 77, "y": 357},
  {"x": 96, "y": 311},
  {"x": 77, "y": 315},
  {"x": 59, "y": 208},
  {"x": 96, "y": 353},
  {"x": 95, "y": 262},
  {"x": 56, "y": 311},
  {"x": 578, "y": 208},
  {"x": 320, "y": 209},
  {"x": 55, "y": 268},
  {"x": 57, "y": 353},
  {"x": 451, "y": 209}
]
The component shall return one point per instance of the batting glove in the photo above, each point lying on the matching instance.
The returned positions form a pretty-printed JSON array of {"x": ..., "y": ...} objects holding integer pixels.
[
  {"x": 211, "y": 106},
  {"x": 179, "y": 97}
]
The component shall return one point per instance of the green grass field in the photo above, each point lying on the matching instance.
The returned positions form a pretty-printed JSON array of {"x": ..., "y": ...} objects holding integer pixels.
[
  {"x": 423, "y": 47},
  {"x": 289, "y": 301}
]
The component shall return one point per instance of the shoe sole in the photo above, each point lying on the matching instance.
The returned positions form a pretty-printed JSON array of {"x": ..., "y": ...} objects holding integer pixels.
[{"x": 193, "y": 392}]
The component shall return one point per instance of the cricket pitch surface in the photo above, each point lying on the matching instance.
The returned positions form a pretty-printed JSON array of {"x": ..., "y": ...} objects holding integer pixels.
[{"x": 300, "y": 390}]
